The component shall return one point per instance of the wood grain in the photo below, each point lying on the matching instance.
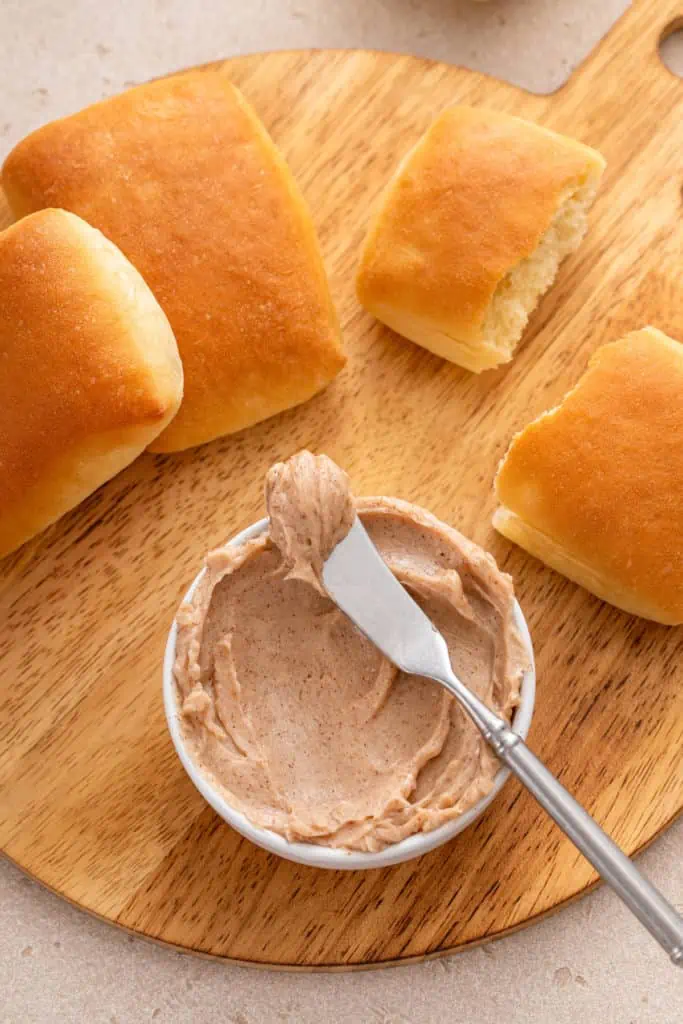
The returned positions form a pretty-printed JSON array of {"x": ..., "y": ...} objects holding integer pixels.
[{"x": 93, "y": 801}]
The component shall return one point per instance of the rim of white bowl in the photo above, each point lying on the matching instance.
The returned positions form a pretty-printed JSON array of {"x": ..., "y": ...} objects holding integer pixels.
[{"x": 324, "y": 856}]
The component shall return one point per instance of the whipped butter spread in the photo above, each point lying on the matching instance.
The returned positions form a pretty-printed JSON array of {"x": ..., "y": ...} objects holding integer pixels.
[{"x": 294, "y": 715}]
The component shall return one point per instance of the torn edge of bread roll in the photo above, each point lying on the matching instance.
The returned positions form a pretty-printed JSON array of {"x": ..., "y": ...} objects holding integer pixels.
[
  {"x": 471, "y": 230},
  {"x": 589, "y": 486}
]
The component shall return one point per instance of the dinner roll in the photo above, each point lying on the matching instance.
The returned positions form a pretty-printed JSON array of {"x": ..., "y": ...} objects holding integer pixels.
[
  {"x": 181, "y": 174},
  {"x": 594, "y": 487},
  {"x": 89, "y": 369},
  {"x": 471, "y": 230}
]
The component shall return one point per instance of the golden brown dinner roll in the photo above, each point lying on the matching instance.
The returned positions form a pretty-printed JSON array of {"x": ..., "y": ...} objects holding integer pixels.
[
  {"x": 471, "y": 230},
  {"x": 594, "y": 488},
  {"x": 89, "y": 369},
  {"x": 182, "y": 175}
]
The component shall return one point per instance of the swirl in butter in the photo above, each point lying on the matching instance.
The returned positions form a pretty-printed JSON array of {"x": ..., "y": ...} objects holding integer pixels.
[{"x": 294, "y": 715}]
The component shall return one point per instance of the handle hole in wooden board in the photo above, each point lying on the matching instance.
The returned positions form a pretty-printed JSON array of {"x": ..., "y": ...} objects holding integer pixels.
[{"x": 671, "y": 47}]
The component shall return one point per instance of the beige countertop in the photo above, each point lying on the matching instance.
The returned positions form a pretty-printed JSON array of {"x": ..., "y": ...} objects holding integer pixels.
[{"x": 588, "y": 963}]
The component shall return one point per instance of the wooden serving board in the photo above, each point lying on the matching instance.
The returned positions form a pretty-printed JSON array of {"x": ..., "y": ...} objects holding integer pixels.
[{"x": 93, "y": 801}]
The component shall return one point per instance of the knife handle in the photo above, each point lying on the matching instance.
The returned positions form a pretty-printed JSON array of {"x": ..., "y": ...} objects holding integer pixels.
[{"x": 660, "y": 918}]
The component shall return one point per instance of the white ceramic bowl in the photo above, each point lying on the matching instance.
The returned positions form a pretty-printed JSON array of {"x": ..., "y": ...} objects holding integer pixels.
[{"x": 324, "y": 856}]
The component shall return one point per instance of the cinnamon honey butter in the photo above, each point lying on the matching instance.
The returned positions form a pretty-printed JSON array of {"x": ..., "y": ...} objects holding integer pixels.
[{"x": 295, "y": 716}]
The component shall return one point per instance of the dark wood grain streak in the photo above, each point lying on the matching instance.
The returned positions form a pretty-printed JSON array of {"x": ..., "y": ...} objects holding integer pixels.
[{"x": 94, "y": 803}]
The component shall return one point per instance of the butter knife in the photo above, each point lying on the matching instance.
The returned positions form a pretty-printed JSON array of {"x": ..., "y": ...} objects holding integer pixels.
[{"x": 358, "y": 581}]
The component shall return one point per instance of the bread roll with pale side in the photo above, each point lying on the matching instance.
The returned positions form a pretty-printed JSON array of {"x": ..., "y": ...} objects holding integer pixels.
[
  {"x": 181, "y": 174},
  {"x": 89, "y": 369},
  {"x": 594, "y": 488},
  {"x": 471, "y": 231}
]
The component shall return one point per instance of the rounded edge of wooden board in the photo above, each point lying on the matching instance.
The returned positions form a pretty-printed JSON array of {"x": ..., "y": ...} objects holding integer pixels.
[
  {"x": 337, "y": 967},
  {"x": 374, "y": 965}
]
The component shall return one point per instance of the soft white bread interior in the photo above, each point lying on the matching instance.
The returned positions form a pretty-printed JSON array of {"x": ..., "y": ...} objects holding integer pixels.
[
  {"x": 90, "y": 371},
  {"x": 181, "y": 174},
  {"x": 471, "y": 231},
  {"x": 593, "y": 487}
]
